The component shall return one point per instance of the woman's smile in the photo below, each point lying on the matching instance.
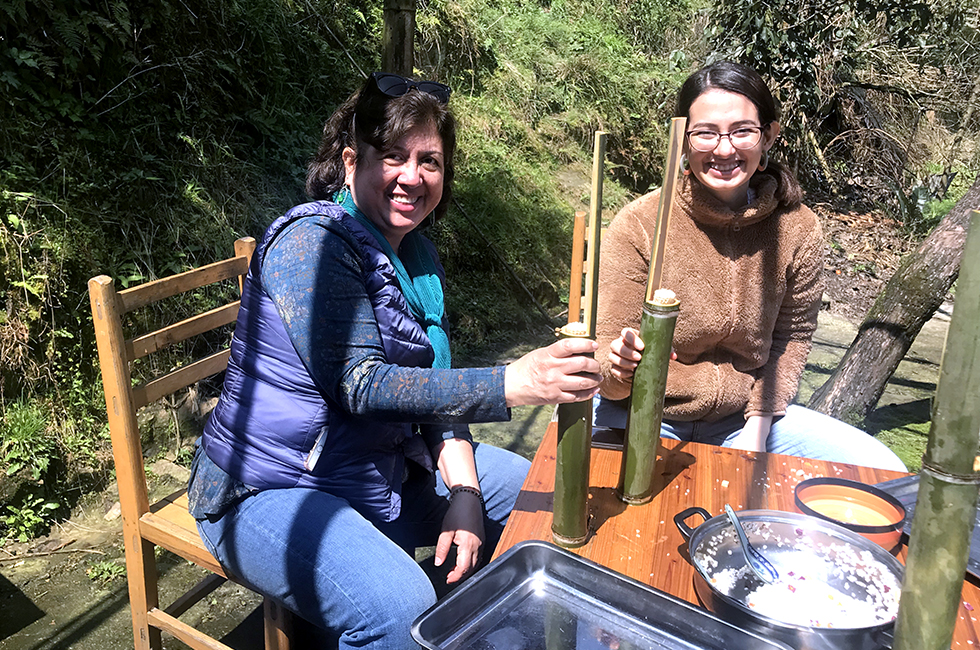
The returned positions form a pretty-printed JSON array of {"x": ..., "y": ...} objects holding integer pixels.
[{"x": 724, "y": 169}]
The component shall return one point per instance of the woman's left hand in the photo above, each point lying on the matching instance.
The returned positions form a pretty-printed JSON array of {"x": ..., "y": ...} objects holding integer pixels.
[{"x": 462, "y": 526}]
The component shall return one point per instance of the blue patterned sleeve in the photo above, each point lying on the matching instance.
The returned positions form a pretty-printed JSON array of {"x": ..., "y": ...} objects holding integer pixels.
[{"x": 312, "y": 273}]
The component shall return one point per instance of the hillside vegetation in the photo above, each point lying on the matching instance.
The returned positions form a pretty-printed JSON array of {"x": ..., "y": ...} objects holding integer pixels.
[{"x": 141, "y": 138}]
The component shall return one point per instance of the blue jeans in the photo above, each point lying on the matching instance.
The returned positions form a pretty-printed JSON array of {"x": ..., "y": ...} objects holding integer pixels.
[
  {"x": 801, "y": 432},
  {"x": 320, "y": 558}
]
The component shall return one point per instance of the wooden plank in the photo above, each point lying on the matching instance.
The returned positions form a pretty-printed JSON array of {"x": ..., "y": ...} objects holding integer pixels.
[
  {"x": 141, "y": 573},
  {"x": 578, "y": 261},
  {"x": 278, "y": 625},
  {"x": 153, "y": 390},
  {"x": 141, "y": 346},
  {"x": 195, "y": 639},
  {"x": 157, "y": 290},
  {"x": 177, "y": 532},
  {"x": 244, "y": 247}
]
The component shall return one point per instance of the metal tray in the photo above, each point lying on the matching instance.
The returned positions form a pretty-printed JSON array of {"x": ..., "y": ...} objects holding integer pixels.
[
  {"x": 906, "y": 490},
  {"x": 537, "y": 596}
]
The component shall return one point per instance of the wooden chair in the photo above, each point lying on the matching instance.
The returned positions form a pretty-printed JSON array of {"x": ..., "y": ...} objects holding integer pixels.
[{"x": 166, "y": 523}]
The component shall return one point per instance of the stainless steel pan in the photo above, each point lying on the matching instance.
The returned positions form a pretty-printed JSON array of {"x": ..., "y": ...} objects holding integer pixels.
[{"x": 802, "y": 549}]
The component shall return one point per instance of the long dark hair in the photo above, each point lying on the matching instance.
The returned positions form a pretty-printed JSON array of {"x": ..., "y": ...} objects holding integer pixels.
[
  {"x": 742, "y": 80},
  {"x": 369, "y": 117}
]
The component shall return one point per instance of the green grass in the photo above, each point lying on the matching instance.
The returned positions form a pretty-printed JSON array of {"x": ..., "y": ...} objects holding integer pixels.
[{"x": 908, "y": 442}]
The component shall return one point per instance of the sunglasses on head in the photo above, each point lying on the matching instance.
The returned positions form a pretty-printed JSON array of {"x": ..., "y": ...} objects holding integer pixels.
[{"x": 395, "y": 85}]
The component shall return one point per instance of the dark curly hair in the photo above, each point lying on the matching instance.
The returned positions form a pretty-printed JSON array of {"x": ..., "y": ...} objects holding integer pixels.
[
  {"x": 369, "y": 117},
  {"x": 742, "y": 80}
]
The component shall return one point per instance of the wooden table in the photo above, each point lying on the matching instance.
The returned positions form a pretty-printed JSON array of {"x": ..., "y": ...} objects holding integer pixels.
[{"x": 642, "y": 541}]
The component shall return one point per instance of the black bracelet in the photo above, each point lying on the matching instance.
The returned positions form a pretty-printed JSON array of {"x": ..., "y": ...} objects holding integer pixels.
[{"x": 466, "y": 488}]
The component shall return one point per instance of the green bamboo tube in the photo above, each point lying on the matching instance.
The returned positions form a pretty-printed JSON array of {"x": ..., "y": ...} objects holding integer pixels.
[
  {"x": 570, "y": 524},
  {"x": 945, "y": 509},
  {"x": 647, "y": 398}
]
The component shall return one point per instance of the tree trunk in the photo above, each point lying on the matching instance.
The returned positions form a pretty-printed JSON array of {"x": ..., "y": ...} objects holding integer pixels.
[
  {"x": 908, "y": 301},
  {"x": 398, "y": 54}
]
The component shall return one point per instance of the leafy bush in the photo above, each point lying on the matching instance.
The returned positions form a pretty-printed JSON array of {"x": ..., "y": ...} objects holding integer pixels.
[
  {"x": 105, "y": 572},
  {"x": 28, "y": 519},
  {"x": 25, "y": 443}
]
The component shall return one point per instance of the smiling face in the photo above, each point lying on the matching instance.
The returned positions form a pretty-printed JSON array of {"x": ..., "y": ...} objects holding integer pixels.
[
  {"x": 398, "y": 188},
  {"x": 726, "y": 171}
]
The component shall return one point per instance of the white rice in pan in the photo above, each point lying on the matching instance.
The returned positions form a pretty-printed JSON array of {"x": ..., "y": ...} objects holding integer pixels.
[{"x": 831, "y": 585}]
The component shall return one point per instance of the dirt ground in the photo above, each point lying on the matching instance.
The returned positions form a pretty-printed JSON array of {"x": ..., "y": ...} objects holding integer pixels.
[
  {"x": 863, "y": 252},
  {"x": 66, "y": 590}
]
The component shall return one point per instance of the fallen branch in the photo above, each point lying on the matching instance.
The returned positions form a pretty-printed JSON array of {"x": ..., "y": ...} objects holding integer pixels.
[{"x": 43, "y": 553}]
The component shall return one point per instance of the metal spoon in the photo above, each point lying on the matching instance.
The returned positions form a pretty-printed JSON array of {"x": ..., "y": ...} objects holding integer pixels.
[{"x": 757, "y": 562}]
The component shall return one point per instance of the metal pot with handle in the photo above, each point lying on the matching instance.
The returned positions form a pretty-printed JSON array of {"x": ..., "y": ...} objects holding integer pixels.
[{"x": 836, "y": 590}]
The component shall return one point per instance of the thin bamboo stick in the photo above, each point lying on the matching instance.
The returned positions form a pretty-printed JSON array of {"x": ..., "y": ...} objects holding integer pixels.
[
  {"x": 948, "y": 484},
  {"x": 595, "y": 226},
  {"x": 578, "y": 262},
  {"x": 675, "y": 147}
]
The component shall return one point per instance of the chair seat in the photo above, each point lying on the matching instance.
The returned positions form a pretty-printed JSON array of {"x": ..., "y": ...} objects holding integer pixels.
[{"x": 170, "y": 525}]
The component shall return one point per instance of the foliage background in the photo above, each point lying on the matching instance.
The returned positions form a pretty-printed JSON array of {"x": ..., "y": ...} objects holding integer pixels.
[{"x": 138, "y": 139}]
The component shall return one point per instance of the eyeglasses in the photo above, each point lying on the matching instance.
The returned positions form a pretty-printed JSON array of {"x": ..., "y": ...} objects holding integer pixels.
[
  {"x": 395, "y": 85},
  {"x": 745, "y": 137}
]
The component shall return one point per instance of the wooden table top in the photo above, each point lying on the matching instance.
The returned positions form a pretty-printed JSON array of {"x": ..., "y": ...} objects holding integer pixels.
[{"x": 643, "y": 542}]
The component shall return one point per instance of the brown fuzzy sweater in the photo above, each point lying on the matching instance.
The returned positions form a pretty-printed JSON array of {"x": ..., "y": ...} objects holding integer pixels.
[{"x": 749, "y": 283}]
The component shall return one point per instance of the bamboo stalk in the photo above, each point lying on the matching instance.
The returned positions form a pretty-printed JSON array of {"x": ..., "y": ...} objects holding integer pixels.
[
  {"x": 570, "y": 523},
  {"x": 595, "y": 226},
  {"x": 657, "y": 322},
  {"x": 647, "y": 399},
  {"x": 948, "y": 484},
  {"x": 578, "y": 261},
  {"x": 675, "y": 147}
]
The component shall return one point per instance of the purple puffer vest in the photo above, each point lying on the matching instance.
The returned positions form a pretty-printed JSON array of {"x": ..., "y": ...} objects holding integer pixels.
[{"x": 270, "y": 411}]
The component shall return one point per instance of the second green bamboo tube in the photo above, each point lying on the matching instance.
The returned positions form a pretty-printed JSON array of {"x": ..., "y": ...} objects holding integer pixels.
[
  {"x": 939, "y": 545},
  {"x": 647, "y": 400}
]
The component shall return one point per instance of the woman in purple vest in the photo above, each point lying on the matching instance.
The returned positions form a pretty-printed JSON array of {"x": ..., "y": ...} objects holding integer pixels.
[{"x": 340, "y": 441}]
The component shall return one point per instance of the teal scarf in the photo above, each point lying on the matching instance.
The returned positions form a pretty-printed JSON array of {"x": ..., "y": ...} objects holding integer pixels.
[{"x": 417, "y": 276}]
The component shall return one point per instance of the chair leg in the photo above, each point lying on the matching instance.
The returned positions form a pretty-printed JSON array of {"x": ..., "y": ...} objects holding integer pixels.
[
  {"x": 278, "y": 625},
  {"x": 141, "y": 572}
]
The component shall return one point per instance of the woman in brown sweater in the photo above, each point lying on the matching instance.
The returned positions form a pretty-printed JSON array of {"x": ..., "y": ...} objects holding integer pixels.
[{"x": 744, "y": 257}]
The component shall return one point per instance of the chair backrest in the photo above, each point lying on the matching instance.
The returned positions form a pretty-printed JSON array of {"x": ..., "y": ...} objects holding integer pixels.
[{"x": 117, "y": 353}]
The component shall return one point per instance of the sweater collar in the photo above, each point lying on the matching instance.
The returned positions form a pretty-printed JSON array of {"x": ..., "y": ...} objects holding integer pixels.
[{"x": 703, "y": 207}]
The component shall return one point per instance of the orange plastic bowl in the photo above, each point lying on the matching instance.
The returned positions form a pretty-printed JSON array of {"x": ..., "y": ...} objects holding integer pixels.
[{"x": 859, "y": 507}]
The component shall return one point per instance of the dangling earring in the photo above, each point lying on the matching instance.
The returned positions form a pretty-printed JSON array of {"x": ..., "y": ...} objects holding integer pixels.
[
  {"x": 685, "y": 165},
  {"x": 344, "y": 197},
  {"x": 764, "y": 161}
]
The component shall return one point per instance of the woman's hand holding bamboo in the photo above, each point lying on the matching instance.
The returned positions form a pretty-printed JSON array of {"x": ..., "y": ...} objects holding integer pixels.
[
  {"x": 560, "y": 373},
  {"x": 625, "y": 353}
]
